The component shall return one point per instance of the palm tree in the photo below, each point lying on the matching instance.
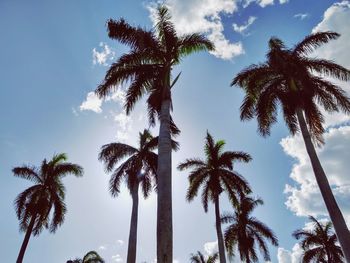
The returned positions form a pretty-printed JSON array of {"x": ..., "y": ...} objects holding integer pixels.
[
  {"x": 245, "y": 231},
  {"x": 34, "y": 205},
  {"x": 319, "y": 243},
  {"x": 216, "y": 175},
  {"x": 287, "y": 79},
  {"x": 139, "y": 168},
  {"x": 90, "y": 257},
  {"x": 199, "y": 258},
  {"x": 147, "y": 67}
]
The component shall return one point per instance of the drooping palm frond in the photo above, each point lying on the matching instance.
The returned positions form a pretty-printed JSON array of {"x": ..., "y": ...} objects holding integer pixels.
[
  {"x": 319, "y": 243},
  {"x": 313, "y": 41},
  {"x": 245, "y": 232}
]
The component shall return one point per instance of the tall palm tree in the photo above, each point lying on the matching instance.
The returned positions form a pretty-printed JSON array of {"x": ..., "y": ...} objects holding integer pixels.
[
  {"x": 200, "y": 258},
  {"x": 147, "y": 67},
  {"x": 90, "y": 257},
  {"x": 139, "y": 168},
  {"x": 216, "y": 175},
  {"x": 319, "y": 243},
  {"x": 287, "y": 79},
  {"x": 246, "y": 232},
  {"x": 42, "y": 205}
]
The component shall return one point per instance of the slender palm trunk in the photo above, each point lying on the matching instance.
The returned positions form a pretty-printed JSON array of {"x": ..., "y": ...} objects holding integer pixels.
[
  {"x": 335, "y": 214},
  {"x": 26, "y": 240},
  {"x": 164, "y": 195},
  {"x": 219, "y": 232},
  {"x": 132, "y": 245}
]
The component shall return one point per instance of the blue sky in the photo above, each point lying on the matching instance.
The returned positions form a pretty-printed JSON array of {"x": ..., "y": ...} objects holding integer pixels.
[{"x": 55, "y": 52}]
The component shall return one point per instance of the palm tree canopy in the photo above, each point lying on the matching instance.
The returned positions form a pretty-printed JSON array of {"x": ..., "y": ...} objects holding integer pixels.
[
  {"x": 147, "y": 66},
  {"x": 216, "y": 173},
  {"x": 246, "y": 231},
  {"x": 140, "y": 165},
  {"x": 200, "y": 258},
  {"x": 293, "y": 80},
  {"x": 92, "y": 257},
  {"x": 47, "y": 193},
  {"x": 319, "y": 243}
]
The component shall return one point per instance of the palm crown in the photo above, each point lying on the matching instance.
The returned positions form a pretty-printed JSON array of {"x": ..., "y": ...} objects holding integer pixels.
[
  {"x": 245, "y": 231},
  {"x": 287, "y": 78},
  {"x": 147, "y": 66},
  {"x": 319, "y": 243},
  {"x": 47, "y": 193},
  {"x": 140, "y": 166},
  {"x": 200, "y": 258},
  {"x": 216, "y": 173}
]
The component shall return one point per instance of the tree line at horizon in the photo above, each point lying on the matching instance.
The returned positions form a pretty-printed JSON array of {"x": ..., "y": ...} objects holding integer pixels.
[{"x": 286, "y": 80}]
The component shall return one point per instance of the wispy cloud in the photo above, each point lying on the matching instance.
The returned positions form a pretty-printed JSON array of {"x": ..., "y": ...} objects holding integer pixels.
[
  {"x": 91, "y": 103},
  {"x": 117, "y": 258},
  {"x": 103, "y": 56},
  {"x": 301, "y": 16},
  {"x": 243, "y": 28}
]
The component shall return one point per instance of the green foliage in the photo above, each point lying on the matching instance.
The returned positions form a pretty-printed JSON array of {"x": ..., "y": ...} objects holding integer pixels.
[
  {"x": 319, "y": 243},
  {"x": 44, "y": 201},
  {"x": 288, "y": 79},
  {"x": 245, "y": 232},
  {"x": 200, "y": 258}
]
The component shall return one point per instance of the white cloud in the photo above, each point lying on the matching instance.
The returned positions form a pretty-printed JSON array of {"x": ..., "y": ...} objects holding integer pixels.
[
  {"x": 92, "y": 102},
  {"x": 283, "y": 1},
  {"x": 204, "y": 16},
  {"x": 211, "y": 247},
  {"x": 262, "y": 3},
  {"x": 124, "y": 126},
  {"x": 103, "y": 56},
  {"x": 120, "y": 242},
  {"x": 286, "y": 256},
  {"x": 117, "y": 258},
  {"x": 301, "y": 16},
  {"x": 102, "y": 247},
  {"x": 242, "y": 28}
]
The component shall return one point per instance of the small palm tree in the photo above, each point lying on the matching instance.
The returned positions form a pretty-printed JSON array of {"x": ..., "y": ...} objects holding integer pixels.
[
  {"x": 200, "y": 258},
  {"x": 216, "y": 175},
  {"x": 42, "y": 205},
  {"x": 287, "y": 79},
  {"x": 246, "y": 232},
  {"x": 147, "y": 67},
  {"x": 90, "y": 257},
  {"x": 139, "y": 168},
  {"x": 319, "y": 243}
]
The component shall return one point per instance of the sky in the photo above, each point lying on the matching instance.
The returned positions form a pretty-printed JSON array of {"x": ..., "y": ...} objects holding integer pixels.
[{"x": 55, "y": 53}]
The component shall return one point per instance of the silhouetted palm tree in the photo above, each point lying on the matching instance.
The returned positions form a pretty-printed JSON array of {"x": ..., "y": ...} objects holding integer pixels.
[
  {"x": 200, "y": 258},
  {"x": 319, "y": 243},
  {"x": 287, "y": 79},
  {"x": 216, "y": 175},
  {"x": 140, "y": 167},
  {"x": 90, "y": 257},
  {"x": 148, "y": 67},
  {"x": 34, "y": 205},
  {"x": 246, "y": 232}
]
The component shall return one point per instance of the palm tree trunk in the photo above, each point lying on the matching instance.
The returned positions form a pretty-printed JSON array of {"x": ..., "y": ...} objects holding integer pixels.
[
  {"x": 335, "y": 214},
  {"x": 132, "y": 245},
  {"x": 26, "y": 240},
  {"x": 164, "y": 195},
  {"x": 219, "y": 232}
]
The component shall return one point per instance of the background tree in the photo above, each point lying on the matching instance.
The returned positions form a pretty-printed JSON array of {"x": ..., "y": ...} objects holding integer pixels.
[
  {"x": 287, "y": 78},
  {"x": 147, "y": 67},
  {"x": 216, "y": 175},
  {"x": 319, "y": 243},
  {"x": 245, "y": 232},
  {"x": 34, "y": 205},
  {"x": 200, "y": 258},
  {"x": 139, "y": 167},
  {"x": 90, "y": 257}
]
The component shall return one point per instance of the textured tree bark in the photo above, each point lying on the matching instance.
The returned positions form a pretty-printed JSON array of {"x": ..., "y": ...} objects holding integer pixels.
[
  {"x": 219, "y": 232},
  {"x": 335, "y": 214},
  {"x": 26, "y": 240},
  {"x": 164, "y": 195},
  {"x": 132, "y": 245}
]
